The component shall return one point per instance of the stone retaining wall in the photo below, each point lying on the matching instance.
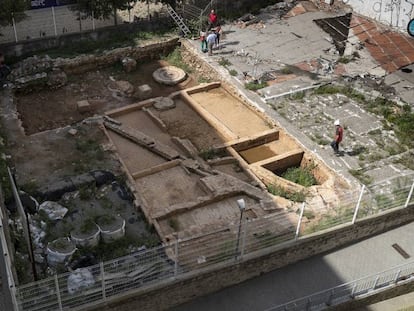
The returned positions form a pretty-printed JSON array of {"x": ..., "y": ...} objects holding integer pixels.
[{"x": 169, "y": 293}]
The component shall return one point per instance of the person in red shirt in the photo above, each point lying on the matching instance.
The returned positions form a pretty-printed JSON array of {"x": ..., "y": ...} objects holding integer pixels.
[
  {"x": 212, "y": 19},
  {"x": 339, "y": 133}
]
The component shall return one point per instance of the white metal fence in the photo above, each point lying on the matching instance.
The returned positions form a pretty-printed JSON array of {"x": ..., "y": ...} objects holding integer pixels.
[
  {"x": 365, "y": 286},
  {"x": 227, "y": 245}
]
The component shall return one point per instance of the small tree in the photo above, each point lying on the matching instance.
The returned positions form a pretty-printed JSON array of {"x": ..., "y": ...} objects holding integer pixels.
[{"x": 9, "y": 10}]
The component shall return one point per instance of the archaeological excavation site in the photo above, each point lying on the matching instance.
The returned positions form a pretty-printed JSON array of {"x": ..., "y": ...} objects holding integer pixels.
[
  {"x": 138, "y": 165},
  {"x": 123, "y": 157}
]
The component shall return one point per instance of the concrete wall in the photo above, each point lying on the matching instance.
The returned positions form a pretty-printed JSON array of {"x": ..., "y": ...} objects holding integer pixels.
[
  {"x": 396, "y": 13},
  {"x": 170, "y": 293}
]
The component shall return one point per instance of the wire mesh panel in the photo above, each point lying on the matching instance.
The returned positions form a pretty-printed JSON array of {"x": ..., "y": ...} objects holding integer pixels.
[
  {"x": 38, "y": 296},
  {"x": 136, "y": 270},
  {"x": 268, "y": 231},
  {"x": 391, "y": 193}
]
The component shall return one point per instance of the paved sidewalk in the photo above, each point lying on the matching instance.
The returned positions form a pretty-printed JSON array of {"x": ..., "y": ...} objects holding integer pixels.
[{"x": 315, "y": 274}]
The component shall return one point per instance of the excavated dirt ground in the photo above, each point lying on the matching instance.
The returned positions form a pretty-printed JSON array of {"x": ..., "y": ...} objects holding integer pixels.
[{"x": 45, "y": 109}]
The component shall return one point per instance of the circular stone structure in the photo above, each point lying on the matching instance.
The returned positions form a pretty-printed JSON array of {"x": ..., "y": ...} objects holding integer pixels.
[{"x": 169, "y": 75}]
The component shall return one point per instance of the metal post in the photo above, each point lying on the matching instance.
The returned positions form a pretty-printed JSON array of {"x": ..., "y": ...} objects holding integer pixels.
[
  {"x": 376, "y": 282},
  {"x": 14, "y": 28},
  {"x": 93, "y": 21},
  {"x": 54, "y": 20},
  {"x": 409, "y": 195},
  {"x": 103, "y": 280},
  {"x": 353, "y": 291},
  {"x": 397, "y": 276},
  {"x": 358, "y": 204},
  {"x": 243, "y": 244},
  {"x": 14, "y": 298},
  {"x": 300, "y": 221},
  {"x": 58, "y": 292},
  {"x": 242, "y": 205},
  {"x": 176, "y": 256}
]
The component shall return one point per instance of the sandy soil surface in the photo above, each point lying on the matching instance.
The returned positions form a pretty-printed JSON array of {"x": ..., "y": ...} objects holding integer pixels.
[{"x": 239, "y": 119}]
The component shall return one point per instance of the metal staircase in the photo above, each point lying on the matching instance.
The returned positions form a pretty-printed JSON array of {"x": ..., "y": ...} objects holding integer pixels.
[{"x": 178, "y": 20}]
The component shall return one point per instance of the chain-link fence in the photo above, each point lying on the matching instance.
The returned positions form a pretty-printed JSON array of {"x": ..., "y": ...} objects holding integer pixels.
[
  {"x": 226, "y": 245},
  {"x": 61, "y": 20}
]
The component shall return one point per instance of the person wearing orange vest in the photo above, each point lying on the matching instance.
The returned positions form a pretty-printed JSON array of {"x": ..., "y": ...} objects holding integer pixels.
[{"x": 339, "y": 133}]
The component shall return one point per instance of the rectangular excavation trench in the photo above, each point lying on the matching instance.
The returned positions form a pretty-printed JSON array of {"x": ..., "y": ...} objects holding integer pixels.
[{"x": 171, "y": 190}]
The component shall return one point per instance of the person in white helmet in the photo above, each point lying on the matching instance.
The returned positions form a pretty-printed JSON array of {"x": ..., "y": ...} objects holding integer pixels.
[{"x": 339, "y": 133}]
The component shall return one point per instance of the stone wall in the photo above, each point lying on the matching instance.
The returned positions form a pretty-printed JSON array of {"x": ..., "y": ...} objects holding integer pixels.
[
  {"x": 35, "y": 72},
  {"x": 169, "y": 293}
]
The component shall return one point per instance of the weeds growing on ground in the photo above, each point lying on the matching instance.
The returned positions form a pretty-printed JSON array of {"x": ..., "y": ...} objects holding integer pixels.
[
  {"x": 301, "y": 175},
  {"x": 175, "y": 58},
  {"x": 400, "y": 118},
  {"x": 254, "y": 86},
  {"x": 361, "y": 176},
  {"x": 298, "y": 196}
]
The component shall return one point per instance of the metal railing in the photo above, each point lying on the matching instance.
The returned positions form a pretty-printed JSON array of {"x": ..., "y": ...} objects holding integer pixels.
[
  {"x": 365, "y": 286},
  {"x": 225, "y": 245}
]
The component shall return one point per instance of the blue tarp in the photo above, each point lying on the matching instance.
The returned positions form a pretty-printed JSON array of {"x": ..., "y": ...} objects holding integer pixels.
[{"x": 39, "y": 4}]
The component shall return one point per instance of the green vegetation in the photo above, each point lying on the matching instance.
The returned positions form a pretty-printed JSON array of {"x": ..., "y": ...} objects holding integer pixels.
[
  {"x": 233, "y": 72},
  {"x": 30, "y": 187},
  {"x": 344, "y": 59},
  {"x": 88, "y": 226},
  {"x": 298, "y": 95},
  {"x": 277, "y": 190},
  {"x": 112, "y": 41},
  {"x": 212, "y": 153},
  {"x": 254, "y": 86},
  {"x": 286, "y": 70},
  {"x": 308, "y": 214},
  {"x": 175, "y": 58},
  {"x": 361, "y": 176},
  {"x": 203, "y": 80},
  {"x": 400, "y": 119},
  {"x": 4, "y": 175},
  {"x": 12, "y": 10},
  {"x": 301, "y": 176},
  {"x": 173, "y": 223},
  {"x": 336, "y": 217},
  {"x": 104, "y": 220},
  {"x": 87, "y": 192},
  {"x": 224, "y": 62},
  {"x": 383, "y": 200},
  {"x": 121, "y": 247},
  {"x": 319, "y": 139},
  {"x": 91, "y": 154},
  {"x": 407, "y": 160}
]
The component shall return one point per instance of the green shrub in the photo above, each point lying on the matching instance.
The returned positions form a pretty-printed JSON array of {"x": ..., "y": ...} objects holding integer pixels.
[
  {"x": 301, "y": 176},
  {"x": 233, "y": 72},
  {"x": 254, "y": 86}
]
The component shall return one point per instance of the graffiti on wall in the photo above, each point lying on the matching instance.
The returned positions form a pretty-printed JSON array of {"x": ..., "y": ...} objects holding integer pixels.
[{"x": 397, "y": 13}]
